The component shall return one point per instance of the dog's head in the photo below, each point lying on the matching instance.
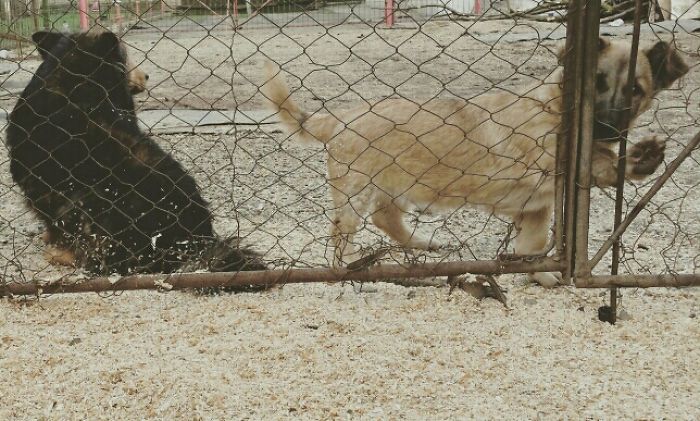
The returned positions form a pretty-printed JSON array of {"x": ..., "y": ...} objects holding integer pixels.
[
  {"x": 88, "y": 67},
  {"x": 656, "y": 69}
]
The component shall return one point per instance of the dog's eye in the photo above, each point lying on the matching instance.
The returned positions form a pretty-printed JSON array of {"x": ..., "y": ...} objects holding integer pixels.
[{"x": 637, "y": 90}]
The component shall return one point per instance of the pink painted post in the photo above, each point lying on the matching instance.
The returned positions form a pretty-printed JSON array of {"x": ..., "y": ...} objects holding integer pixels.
[
  {"x": 138, "y": 9},
  {"x": 83, "y": 13},
  {"x": 389, "y": 12},
  {"x": 235, "y": 11},
  {"x": 477, "y": 7}
]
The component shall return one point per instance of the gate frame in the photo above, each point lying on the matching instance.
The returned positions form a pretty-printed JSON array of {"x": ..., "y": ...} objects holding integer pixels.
[{"x": 582, "y": 38}]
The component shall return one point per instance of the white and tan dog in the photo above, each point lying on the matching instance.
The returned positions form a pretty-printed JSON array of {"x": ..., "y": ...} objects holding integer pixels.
[{"x": 495, "y": 151}]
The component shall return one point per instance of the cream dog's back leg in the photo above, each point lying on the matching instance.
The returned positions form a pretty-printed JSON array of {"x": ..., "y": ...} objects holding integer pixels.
[
  {"x": 533, "y": 228},
  {"x": 388, "y": 217},
  {"x": 349, "y": 215},
  {"x": 345, "y": 226}
]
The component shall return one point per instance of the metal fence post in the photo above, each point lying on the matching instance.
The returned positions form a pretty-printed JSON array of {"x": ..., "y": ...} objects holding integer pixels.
[
  {"x": 577, "y": 139},
  {"x": 83, "y": 14},
  {"x": 583, "y": 176},
  {"x": 389, "y": 13},
  {"x": 565, "y": 210}
]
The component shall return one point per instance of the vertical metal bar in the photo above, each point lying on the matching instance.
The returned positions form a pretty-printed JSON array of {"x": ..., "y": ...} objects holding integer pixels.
[
  {"x": 583, "y": 184},
  {"x": 565, "y": 132},
  {"x": 83, "y": 14},
  {"x": 45, "y": 14},
  {"x": 118, "y": 17},
  {"x": 559, "y": 185},
  {"x": 568, "y": 142},
  {"x": 622, "y": 153},
  {"x": 7, "y": 11},
  {"x": 35, "y": 14},
  {"x": 389, "y": 12}
]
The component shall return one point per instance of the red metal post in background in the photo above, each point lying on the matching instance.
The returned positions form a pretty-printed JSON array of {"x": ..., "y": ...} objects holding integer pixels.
[
  {"x": 83, "y": 13},
  {"x": 477, "y": 7},
  {"x": 389, "y": 12}
]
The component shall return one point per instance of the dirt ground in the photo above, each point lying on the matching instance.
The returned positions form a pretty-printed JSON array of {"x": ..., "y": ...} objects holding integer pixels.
[{"x": 321, "y": 351}]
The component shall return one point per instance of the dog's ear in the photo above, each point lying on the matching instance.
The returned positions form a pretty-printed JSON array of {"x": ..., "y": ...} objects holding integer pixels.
[
  {"x": 109, "y": 43},
  {"x": 561, "y": 50},
  {"x": 46, "y": 41},
  {"x": 667, "y": 65}
]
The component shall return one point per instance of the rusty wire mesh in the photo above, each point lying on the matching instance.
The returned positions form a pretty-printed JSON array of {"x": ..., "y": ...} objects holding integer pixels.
[{"x": 205, "y": 106}]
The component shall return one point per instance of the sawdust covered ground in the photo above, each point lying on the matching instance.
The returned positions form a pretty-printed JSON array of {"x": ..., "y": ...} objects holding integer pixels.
[{"x": 319, "y": 351}]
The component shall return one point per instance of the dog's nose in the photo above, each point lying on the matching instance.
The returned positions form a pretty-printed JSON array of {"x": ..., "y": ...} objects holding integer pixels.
[{"x": 146, "y": 74}]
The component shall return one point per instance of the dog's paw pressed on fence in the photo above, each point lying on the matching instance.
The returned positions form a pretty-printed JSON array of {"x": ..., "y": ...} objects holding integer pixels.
[{"x": 645, "y": 157}]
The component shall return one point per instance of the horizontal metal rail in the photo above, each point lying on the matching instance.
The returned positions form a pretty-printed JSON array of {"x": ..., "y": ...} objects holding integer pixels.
[
  {"x": 278, "y": 276},
  {"x": 638, "y": 281}
]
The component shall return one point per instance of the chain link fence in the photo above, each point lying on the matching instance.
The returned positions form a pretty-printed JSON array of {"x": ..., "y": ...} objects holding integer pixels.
[{"x": 461, "y": 152}]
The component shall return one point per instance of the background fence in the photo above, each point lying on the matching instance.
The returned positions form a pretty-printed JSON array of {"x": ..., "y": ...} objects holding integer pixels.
[{"x": 204, "y": 105}]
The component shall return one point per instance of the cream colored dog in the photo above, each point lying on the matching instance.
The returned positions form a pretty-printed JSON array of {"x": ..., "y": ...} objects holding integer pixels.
[{"x": 495, "y": 151}]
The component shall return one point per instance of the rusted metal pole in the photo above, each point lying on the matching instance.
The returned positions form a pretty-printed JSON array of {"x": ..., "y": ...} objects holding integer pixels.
[
  {"x": 568, "y": 141},
  {"x": 585, "y": 149},
  {"x": 639, "y": 281},
  {"x": 670, "y": 170},
  {"x": 559, "y": 185},
  {"x": 622, "y": 153},
  {"x": 278, "y": 276}
]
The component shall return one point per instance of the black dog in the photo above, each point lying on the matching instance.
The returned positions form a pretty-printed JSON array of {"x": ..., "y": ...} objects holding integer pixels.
[{"x": 111, "y": 199}]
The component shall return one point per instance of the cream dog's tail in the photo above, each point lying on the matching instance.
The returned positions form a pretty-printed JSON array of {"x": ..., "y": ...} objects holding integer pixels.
[{"x": 307, "y": 127}]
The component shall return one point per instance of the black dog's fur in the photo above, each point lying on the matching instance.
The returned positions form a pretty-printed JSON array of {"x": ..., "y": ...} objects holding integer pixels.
[{"x": 107, "y": 193}]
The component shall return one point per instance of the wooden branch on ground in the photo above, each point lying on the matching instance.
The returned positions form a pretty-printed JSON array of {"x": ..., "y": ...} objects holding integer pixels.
[{"x": 13, "y": 37}]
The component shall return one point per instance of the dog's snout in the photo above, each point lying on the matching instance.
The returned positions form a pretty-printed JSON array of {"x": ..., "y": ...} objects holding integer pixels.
[{"x": 146, "y": 75}]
